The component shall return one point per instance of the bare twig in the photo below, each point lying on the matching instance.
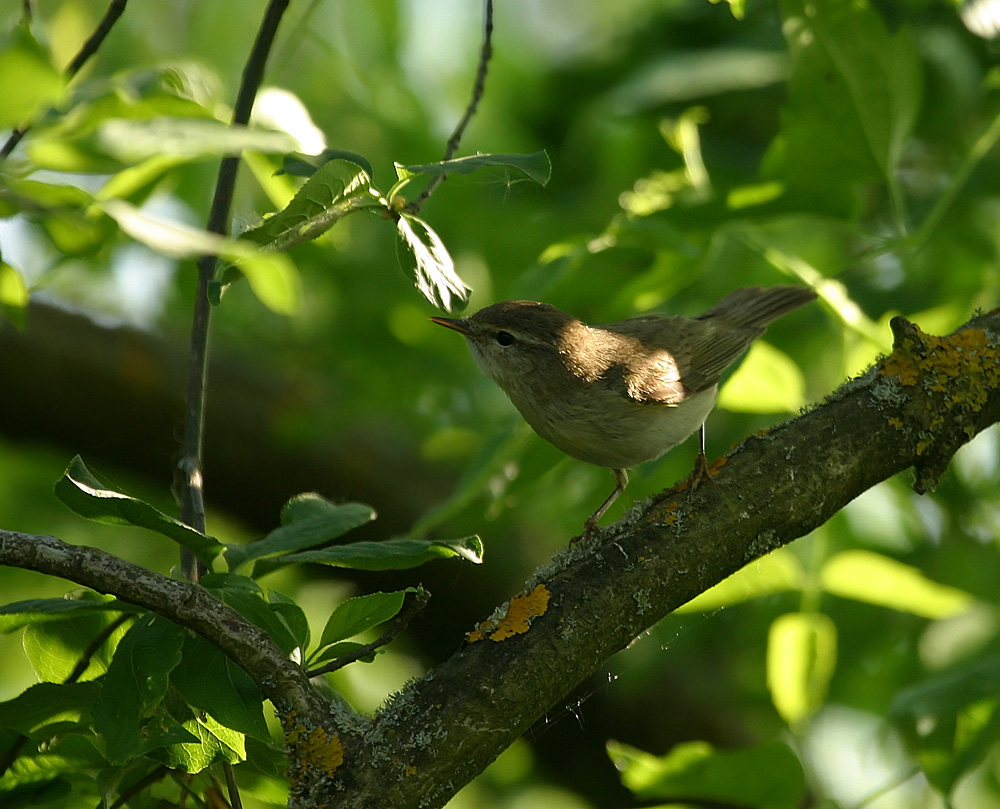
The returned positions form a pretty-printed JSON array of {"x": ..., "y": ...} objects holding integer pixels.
[
  {"x": 232, "y": 787},
  {"x": 154, "y": 775},
  {"x": 192, "y": 498},
  {"x": 95, "y": 644},
  {"x": 478, "y": 88},
  {"x": 90, "y": 47},
  {"x": 397, "y": 625}
]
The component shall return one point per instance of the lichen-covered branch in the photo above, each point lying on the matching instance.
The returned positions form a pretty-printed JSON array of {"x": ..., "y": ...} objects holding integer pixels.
[{"x": 913, "y": 409}]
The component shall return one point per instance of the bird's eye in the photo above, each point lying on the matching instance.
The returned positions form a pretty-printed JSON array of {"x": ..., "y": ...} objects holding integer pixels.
[{"x": 504, "y": 338}]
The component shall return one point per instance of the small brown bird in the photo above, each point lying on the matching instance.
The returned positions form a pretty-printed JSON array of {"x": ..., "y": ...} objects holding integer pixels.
[{"x": 624, "y": 393}]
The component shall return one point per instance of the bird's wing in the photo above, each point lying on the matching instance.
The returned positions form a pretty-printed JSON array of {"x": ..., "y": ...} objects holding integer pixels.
[{"x": 683, "y": 357}]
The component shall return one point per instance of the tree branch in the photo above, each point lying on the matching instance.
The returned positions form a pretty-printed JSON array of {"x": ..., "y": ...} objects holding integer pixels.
[
  {"x": 913, "y": 409},
  {"x": 186, "y": 604}
]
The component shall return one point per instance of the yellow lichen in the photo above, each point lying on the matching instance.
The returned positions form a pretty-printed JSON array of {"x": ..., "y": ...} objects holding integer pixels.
[
  {"x": 314, "y": 746},
  {"x": 669, "y": 517},
  {"x": 517, "y": 620},
  {"x": 963, "y": 366}
]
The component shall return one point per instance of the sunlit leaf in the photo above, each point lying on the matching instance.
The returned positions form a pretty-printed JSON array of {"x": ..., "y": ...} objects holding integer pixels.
[
  {"x": 801, "y": 656},
  {"x": 272, "y": 276},
  {"x": 779, "y": 571},
  {"x": 54, "y": 648},
  {"x": 13, "y": 294},
  {"x": 765, "y": 777},
  {"x": 423, "y": 256},
  {"x": 210, "y": 681},
  {"x": 29, "y": 80},
  {"x": 88, "y": 497},
  {"x": 767, "y": 381},
  {"x": 207, "y": 742},
  {"x": 876, "y": 579},
  {"x": 134, "y": 140},
  {"x": 337, "y": 188}
]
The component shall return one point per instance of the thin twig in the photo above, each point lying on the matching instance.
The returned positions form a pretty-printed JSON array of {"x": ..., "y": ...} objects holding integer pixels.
[
  {"x": 192, "y": 493},
  {"x": 147, "y": 780},
  {"x": 235, "y": 800},
  {"x": 192, "y": 499},
  {"x": 99, "y": 640},
  {"x": 115, "y": 10},
  {"x": 478, "y": 88},
  {"x": 398, "y": 624}
]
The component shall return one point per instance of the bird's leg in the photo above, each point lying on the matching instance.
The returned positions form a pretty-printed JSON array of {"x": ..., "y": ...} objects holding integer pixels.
[
  {"x": 700, "y": 473},
  {"x": 621, "y": 481}
]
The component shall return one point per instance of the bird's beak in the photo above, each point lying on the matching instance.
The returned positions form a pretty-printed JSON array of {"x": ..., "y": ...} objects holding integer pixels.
[{"x": 452, "y": 323}]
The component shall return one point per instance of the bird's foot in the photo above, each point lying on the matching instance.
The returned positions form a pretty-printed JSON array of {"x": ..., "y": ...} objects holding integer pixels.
[{"x": 702, "y": 473}]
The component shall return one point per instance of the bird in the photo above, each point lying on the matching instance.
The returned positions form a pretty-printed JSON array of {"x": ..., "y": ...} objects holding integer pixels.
[{"x": 620, "y": 394}]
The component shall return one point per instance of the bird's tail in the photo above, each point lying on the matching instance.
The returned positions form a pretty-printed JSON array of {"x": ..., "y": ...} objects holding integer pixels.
[{"x": 755, "y": 307}]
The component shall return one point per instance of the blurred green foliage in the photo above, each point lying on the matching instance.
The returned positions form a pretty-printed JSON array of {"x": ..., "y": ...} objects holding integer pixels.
[{"x": 694, "y": 148}]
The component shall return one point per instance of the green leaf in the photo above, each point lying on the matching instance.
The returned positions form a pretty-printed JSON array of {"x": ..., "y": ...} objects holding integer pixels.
[
  {"x": 30, "y": 82},
  {"x": 778, "y": 572},
  {"x": 49, "y": 708},
  {"x": 949, "y": 692},
  {"x": 801, "y": 657},
  {"x": 951, "y": 721},
  {"x": 133, "y": 687},
  {"x": 13, "y": 294},
  {"x": 423, "y": 256},
  {"x": 293, "y": 617},
  {"x": 211, "y": 682},
  {"x": 390, "y": 554},
  {"x": 52, "y": 792},
  {"x": 54, "y": 648},
  {"x": 322, "y": 655},
  {"x": 847, "y": 68},
  {"x": 336, "y": 189},
  {"x": 307, "y": 165},
  {"x": 535, "y": 166},
  {"x": 307, "y": 520},
  {"x": 765, "y": 777},
  {"x": 89, "y": 498},
  {"x": 357, "y": 615},
  {"x": 272, "y": 276},
  {"x": 246, "y": 597},
  {"x": 132, "y": 141},
  {"x": 876, "y": 579},
  {"x": 207, "y": 742},
  {"x": 767, "y": 381},
  {"x": 40, "y": 610}
]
